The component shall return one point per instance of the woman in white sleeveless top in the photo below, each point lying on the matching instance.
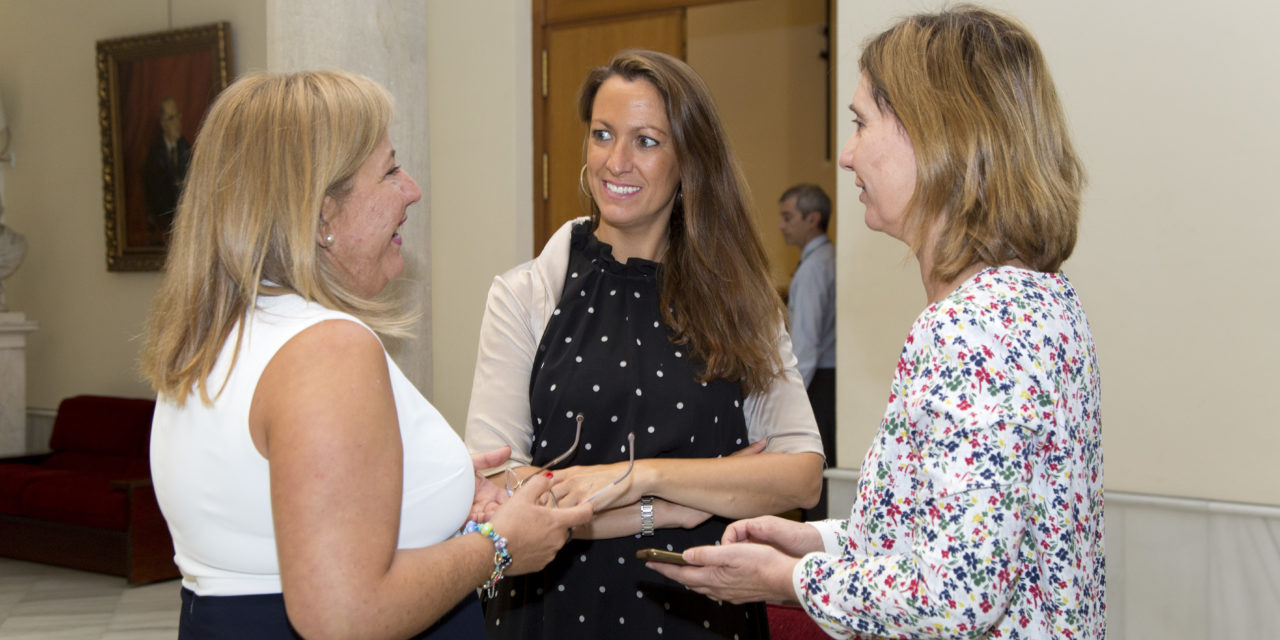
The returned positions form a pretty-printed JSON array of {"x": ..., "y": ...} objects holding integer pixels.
[{"x": 309, "y": 488}]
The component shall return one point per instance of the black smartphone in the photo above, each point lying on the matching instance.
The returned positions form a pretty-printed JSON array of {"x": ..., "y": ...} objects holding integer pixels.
[{"x": 658, "y": 555}]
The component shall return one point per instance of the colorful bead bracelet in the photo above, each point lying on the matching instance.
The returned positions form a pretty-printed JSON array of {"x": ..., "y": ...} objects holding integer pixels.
[{"x": 501, "y": 558}]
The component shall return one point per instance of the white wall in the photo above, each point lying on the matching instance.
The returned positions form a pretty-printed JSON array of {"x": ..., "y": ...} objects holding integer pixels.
[
  {"x": 384, "y": 40},
  {"x": 89, "y": 318},
  {"x": 1173, "y": 109},
  {"x": 481, "y": 145}
]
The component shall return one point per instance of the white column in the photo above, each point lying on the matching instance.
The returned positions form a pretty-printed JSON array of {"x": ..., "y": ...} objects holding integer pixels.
[
  {"x": 14, "y": 328},
  {"x": 385, "y": 40}
]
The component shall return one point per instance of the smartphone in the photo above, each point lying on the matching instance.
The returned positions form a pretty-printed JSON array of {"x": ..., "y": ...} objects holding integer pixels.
[{"x": 658, "y": 555}]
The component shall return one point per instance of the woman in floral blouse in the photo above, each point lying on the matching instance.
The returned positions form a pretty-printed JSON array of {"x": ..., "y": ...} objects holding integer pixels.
[{"x": 979, "y": 508}]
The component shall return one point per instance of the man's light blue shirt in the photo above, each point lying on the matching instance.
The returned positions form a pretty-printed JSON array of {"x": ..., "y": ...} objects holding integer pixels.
[{"x": 811, "y": 305}]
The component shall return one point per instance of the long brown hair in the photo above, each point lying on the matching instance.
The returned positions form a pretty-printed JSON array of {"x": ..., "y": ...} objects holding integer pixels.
[
  {"x": 272, "y": 147},
  {"x": 716, "y": 293},
  {"x": 994, "y": 158}
]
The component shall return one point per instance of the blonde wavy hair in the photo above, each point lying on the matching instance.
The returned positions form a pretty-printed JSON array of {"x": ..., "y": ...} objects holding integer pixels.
[
  {"x": 271, "y": 149},
  {"x": 994, "y": 162}
]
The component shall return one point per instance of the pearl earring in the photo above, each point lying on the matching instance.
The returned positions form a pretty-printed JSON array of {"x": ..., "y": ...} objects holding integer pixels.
[{"x": 328, "y": 240}]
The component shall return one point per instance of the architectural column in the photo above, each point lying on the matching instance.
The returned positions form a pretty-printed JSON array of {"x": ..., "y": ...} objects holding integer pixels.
[
  {"x": 14, "y": 328},
  {"x": 385, "y": 40}
]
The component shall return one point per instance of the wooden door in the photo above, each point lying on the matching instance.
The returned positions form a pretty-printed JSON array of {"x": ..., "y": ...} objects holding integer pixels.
[{"x": 571, "y": 51}]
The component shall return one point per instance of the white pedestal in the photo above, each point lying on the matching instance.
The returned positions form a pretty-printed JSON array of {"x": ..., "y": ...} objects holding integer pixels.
[{"x": 14, "y": 328}]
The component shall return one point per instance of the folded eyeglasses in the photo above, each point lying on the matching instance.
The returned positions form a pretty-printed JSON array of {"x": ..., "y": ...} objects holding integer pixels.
[{"x": 514, "y": 482}]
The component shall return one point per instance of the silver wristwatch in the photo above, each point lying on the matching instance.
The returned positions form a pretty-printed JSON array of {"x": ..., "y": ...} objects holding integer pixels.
[{"x": 646, "y": 516}]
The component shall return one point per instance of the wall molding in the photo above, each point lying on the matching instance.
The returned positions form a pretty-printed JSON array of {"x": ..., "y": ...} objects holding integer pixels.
[
  {"x": 1127, "y": 498},
  {"x": 1197, "y": 505}
]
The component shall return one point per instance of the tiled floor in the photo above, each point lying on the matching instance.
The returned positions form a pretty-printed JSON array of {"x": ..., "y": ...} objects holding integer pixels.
[{"x": 52, "y": 603}]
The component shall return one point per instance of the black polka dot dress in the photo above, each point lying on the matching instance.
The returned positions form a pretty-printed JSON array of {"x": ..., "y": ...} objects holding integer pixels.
[{"x": 606, "y": 354}]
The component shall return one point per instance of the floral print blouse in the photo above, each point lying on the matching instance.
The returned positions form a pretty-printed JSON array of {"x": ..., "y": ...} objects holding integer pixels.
[{"x": 979, "y": 505}]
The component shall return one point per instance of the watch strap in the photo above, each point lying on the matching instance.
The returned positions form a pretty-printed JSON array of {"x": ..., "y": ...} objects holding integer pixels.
[{"x": 646, "y": 516}]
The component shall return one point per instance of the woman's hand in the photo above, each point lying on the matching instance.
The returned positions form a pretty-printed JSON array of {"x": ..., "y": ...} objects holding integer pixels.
[
  {"x": 490, "y": 459},
  {"x": 534, "y": 532},
  {"x": 753, "y": 562},
  {"x": 790, "y": 537},
  {"x": 737, "y": 573},
  {"x": 581, "y": 482},
  {"x": 489, "y": 495}
]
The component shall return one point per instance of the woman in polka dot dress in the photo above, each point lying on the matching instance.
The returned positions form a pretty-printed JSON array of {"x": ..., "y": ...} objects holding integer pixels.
[
  {"x": 979, "y": 511},
  {"x": 655, "y": 317}
]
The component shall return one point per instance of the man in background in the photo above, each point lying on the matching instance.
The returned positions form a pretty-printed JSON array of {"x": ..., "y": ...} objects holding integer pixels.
[
  {"x": 805, "y": 212},
  {"x": 165, "y": 171}
]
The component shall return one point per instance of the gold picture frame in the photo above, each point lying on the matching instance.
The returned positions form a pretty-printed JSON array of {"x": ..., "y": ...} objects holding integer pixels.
[{"x": 153, "y": 91}]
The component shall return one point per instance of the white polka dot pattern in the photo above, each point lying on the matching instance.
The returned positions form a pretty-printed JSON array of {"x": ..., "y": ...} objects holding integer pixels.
[{"x": 610, "y": 357}]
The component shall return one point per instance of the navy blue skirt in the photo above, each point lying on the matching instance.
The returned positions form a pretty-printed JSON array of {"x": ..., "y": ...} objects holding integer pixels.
[{"x": 263, "y": 616}]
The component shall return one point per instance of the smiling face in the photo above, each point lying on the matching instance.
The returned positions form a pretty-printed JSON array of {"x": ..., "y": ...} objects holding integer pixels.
[
  {"x": 365, "y": 223},
  {"x": 631, "y": 159},
  {"x": 880, "y": 152}
]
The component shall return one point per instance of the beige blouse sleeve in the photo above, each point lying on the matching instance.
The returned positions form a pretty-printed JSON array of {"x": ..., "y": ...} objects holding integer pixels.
[
  {"x": 520, "y": 302},
  {"x": 499, "y": 410},
  {"x": 783, "y": 413}
]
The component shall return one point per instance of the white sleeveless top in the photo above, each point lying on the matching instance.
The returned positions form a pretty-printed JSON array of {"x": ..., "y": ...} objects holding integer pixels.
[{"x": 214, "y": 488}]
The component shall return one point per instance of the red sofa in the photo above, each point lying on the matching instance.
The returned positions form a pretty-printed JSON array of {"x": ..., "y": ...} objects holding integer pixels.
[{"x": 89, "y": 503}]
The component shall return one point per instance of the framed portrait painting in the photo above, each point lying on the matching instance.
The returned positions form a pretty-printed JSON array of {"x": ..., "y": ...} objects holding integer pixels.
[{"x": 153, "y": 91}]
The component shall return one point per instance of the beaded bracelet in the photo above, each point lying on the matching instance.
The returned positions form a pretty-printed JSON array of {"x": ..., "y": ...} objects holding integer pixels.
[{"x": 501, "y": 558}]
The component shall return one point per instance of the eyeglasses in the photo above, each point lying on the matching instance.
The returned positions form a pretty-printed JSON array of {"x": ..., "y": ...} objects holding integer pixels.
[
  {"x": 514, "y": 482},
  {"x": 631, "y": 463}
]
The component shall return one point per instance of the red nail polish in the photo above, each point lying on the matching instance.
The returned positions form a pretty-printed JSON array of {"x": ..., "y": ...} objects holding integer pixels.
[{"x": 547, "y": 474}]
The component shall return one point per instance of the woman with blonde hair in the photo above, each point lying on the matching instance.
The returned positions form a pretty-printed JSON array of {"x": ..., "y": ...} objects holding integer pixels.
[
  {"x": 309, "y": 488},
  {"x": 653, "y": 325},
  {"x": 979, "y": 511}
]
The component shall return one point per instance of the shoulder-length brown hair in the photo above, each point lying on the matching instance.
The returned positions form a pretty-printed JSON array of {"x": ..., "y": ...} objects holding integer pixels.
[
  {"x": 716, "y": 293},
  {"x": 272, "y": 147},
  {"x": 994, "y": 162}
]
